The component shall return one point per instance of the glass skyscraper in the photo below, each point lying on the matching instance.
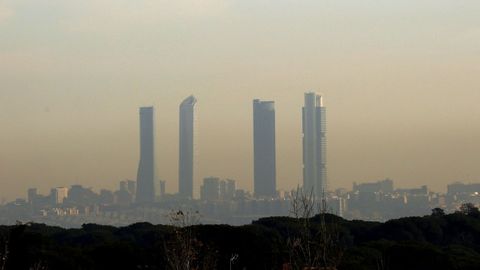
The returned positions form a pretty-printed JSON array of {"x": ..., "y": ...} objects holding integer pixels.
[
  {"x": 264, "y": 157},
  {"x": 146, "y": 169},
  {"x": 314, "y": 146},
  {"x": 186, "y": 147}
]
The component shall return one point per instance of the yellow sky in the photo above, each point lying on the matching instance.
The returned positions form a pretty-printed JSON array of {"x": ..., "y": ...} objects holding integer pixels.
[{"x": 400, "y": 79}]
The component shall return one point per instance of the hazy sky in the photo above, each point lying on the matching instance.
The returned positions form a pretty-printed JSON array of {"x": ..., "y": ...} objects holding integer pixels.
[{"x": 401, "y": 81}]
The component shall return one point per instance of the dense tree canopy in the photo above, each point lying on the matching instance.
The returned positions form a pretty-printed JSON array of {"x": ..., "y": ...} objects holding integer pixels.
[{"x": 438, "y": 241}]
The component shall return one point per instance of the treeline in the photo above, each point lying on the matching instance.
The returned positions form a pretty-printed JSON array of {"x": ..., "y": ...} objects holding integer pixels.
[{"x": 437, "y": 241}]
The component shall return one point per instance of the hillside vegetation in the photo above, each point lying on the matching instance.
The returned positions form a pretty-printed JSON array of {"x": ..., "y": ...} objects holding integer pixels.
[{"x": 437, "y": 241}]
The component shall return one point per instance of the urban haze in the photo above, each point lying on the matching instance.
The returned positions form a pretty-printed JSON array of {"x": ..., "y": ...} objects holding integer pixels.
[
  {"x": 228, "y": 134},
  {"x": 400, "y": 81}
]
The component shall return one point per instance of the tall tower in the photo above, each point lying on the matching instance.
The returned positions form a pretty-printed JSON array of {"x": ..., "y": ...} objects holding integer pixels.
[
  {"x": 186, "y": 147},
  {"x": 314, "y": 145},
  {"x": 146, "y": 168},
  {"x": 264, "y": 161}
]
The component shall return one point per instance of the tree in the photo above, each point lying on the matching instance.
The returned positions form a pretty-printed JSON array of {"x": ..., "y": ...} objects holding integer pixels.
[
  {"x": 38, "y": 266},
  {"x": 185, "y": 251},
  {"x": 317, "y": 245},
  {"x": 3, "y": 253},
  {"x": 438, "y": 212},
  {"x": 469, "y": 209}
]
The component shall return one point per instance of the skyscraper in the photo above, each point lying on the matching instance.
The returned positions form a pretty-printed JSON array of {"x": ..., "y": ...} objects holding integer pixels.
[
  {"x": 314, "y": 145},
  {"x": 264, "y": 162},
  {"x": 186, "y": 147},
  {"x": 146, "y": 169}
]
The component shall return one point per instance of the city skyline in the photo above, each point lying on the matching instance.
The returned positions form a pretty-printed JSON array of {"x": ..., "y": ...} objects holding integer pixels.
[
  {"x": 186, "y": 112},
  {"x": 401, "y": 81},
  {"x": 239, "y": 134},
  {"x": 371, "y": 200},
  {"x": 221, "y": 202}
]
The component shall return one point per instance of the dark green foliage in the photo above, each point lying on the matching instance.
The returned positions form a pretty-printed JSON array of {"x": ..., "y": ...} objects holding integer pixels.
[
  {"x": 438, "y": 212},
  {"x": 438, "y": 241}
]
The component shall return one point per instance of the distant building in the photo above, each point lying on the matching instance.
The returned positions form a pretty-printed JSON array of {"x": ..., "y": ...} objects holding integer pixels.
[
  {"x": 78, "y": 195},
  {"x": 210, "y": 190},
  {"x": 132, "y": 187},
  {"x": 423, "y": 190},
  {"x": 186, "y": 147},
  {"x": 146, "y": 169},
  {"x": 314, "y": 145},
  {"x": 126, "y": 193},
  {"x": 32, "y": 196},
  {"x": 222, "y": 189},
  {"x": 123, "y": 197},
  {"x": 461, "y": 188},
  {"x": 227, "y": 189},
  {"x": 385, "y": 186},
  {"x": 59, "y": 194},
  {"x": 162, "y": 188},
  {"x": 337, "y": 206},
  {"x": 123, "y": 186},
  {"x": 230, "y": 189},
  {"x": 106, "y": 197},
  {"x": 241, "y": 194},
  {"x": 264, "y": 157}
]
